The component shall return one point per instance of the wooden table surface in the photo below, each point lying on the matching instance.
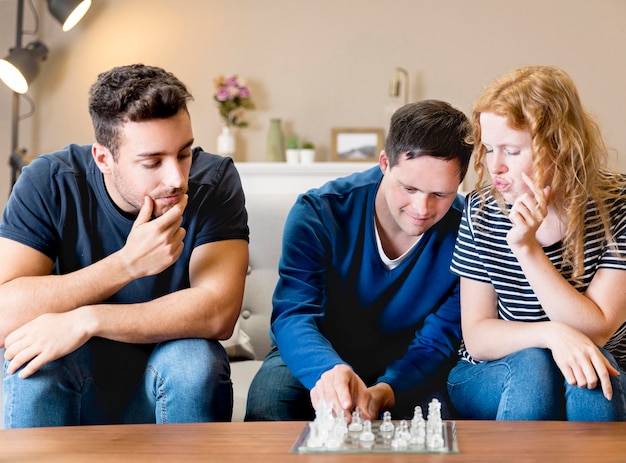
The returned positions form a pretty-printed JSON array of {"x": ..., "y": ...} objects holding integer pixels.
[{"x": 478, "y": 441}]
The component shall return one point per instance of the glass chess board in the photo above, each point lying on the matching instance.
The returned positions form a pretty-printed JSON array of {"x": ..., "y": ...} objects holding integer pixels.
[{"x": 383, "y": 442}]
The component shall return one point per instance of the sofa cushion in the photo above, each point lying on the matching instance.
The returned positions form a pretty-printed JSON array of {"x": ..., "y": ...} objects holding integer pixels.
[
  {"x": 266, "y": 217},
  {"x": 241, "y": 374},
  {"x": 239, "y": 345}
]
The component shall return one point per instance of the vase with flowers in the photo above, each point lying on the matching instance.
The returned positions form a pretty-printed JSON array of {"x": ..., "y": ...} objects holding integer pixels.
[{"x": 232, "y": 96}]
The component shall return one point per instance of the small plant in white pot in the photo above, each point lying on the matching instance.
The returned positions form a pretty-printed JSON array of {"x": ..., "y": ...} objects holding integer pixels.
[
  {"x": 292, "y": 153},
  {"x": 307, "y": 153}
]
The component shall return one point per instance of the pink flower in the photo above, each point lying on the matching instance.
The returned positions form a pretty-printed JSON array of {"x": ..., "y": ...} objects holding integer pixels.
[
  {"x": 232, "y": 97},
  {"x": 222, "y": 94}
]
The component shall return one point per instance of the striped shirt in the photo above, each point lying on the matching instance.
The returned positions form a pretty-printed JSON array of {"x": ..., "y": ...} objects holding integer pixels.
[{"x": 482, "y": 254}]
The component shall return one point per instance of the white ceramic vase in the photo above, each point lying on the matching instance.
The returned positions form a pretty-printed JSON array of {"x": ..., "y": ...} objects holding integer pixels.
[{"x": 226, "y": 142}]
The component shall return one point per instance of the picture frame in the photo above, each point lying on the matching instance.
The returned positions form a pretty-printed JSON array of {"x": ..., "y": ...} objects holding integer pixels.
[{"x": 356, "y": 144}]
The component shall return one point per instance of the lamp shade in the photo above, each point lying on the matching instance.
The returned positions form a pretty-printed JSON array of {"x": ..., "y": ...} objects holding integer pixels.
[
  {"x": 22, "y": 65},
  {"x": 68, "y": 12}
]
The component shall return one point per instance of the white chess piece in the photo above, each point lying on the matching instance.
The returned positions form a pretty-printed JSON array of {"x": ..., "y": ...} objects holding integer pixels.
[
  {"x": 356, "y": 425},
  {"x": 367, "y": 437},
  {"x": 434, "y": 426},
  {"x": 386, "y": 427}
]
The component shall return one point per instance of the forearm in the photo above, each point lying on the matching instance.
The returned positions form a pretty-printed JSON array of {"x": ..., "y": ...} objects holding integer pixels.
[
  {"x": 559, "y": 299},
  {"x": 493, "y": 339},
  {"x": 26, "y": 297},
  {"x": 188, "y": 313}
]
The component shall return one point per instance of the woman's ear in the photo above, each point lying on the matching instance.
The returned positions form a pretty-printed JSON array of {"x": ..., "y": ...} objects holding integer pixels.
[{"x": 102, "y": 157}]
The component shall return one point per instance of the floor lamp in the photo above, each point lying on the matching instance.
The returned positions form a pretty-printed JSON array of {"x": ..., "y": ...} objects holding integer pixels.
[{"x": 22, "y": 64}]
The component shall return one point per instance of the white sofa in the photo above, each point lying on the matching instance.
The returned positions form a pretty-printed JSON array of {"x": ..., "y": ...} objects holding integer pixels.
[{"x": 266, "y": 217}]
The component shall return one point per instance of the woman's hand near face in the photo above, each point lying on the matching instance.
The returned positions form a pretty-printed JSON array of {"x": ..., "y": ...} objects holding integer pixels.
[{"x": 527, "y": 214}]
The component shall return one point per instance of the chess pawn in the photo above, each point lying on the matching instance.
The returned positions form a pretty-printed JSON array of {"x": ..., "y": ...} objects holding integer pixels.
[
  {"x": 435, "y": 441},
  {"x": 356, "y": 425},
  {"x": 399, "y": 442},
  {"x": 333, "y": 442},
  {"x": 417, "y": 435},
  {"x": 314, "y": 441},
  {"x": 367, "y": 437},
  {"x": 386, "y": 427},
  {"x": 404, "y": 429}
]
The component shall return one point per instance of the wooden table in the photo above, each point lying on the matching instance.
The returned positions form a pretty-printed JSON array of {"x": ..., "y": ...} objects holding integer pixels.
[{"x": 479, "y": 441}]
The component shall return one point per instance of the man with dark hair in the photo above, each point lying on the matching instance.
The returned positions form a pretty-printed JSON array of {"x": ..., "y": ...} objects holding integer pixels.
[
  {"x": 124, "y": 264},
  {"x": 366, "y": 311}
]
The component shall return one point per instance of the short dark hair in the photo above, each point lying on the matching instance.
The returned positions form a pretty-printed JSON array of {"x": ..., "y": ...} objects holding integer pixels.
[
  {"x": 429, "y": 128},
  {"x": 133, "y": 93}
]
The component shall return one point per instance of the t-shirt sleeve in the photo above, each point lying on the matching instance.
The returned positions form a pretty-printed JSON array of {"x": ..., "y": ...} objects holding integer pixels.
[
  {"x": 31, "y": 214},
  {"x": 218, "y": 206},
  {"x": 614, "y": 255},
  {"x": 466, "y": 259}
]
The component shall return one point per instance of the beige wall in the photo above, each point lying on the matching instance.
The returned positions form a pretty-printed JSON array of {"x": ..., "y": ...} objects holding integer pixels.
[{"x": 318, "y": 64}]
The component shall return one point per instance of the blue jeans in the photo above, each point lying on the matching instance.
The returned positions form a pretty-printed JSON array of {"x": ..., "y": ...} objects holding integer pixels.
[
  {"x": 186, "y": 380},
  {"x": 276, "y": 395},
  {"x": 528, "y": 385}
]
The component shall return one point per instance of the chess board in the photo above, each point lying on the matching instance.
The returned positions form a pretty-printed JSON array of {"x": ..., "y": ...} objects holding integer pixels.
[{"x": 383, "y": 442}]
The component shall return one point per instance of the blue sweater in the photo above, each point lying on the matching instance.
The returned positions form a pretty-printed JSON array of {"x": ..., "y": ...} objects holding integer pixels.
[{"x": 337, "y": 303}]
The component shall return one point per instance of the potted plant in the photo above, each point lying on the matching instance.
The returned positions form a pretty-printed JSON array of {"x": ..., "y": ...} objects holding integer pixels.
[
  {"x": 307, "y": 152},
  {"x": 292, "y": 153}
]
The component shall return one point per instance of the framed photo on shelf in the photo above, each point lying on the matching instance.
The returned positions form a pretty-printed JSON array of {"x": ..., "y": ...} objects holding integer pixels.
[{"x": 356, "y": 144}]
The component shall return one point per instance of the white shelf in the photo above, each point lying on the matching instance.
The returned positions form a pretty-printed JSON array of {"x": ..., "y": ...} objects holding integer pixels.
[{"x": 280, "y": 177}]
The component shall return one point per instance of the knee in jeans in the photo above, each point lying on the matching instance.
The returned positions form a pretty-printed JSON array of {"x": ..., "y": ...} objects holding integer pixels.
[
  {"x": 532, "y": 358},
  {"x": 535, "y": 367},
  {"x": 190, "y": 362}
]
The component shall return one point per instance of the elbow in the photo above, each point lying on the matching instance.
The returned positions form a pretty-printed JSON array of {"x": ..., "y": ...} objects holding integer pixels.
[
  {"x": 600, "y": 339},
  {"x": 226, "y": 331},
  {"x": 222, "y": 327},
  {"x": 475, "y": 349}
]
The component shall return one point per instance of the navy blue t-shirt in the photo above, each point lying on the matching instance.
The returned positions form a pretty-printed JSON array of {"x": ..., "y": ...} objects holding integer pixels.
[{"x": 60, "y": 207}]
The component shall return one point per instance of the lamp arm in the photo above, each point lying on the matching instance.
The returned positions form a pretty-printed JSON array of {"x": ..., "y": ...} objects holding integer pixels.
[
  {"x": 15, "y": 105},
  {"x": 19, "y": 28}
]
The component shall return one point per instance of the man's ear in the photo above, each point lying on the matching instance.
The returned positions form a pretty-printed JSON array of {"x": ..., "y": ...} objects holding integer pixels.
[
  {"x": 383, "y": 161},
  {"x": 102, "y": 156}
]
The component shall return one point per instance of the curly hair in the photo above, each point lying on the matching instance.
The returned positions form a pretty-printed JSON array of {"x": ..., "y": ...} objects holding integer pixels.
[
  {"x": 569, "y": 153},
  {"x": 133, "y": 93}
]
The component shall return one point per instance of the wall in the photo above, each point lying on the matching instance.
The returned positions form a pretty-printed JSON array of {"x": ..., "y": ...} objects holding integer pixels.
[{"x": 318, "y": 64}]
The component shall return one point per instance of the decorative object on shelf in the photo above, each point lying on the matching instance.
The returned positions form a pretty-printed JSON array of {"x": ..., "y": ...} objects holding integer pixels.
[
  {"x": 307, "y": 153},
  {"x": 226, "y": 142},
  {"x": 275, "y": 141},
  {"x": 299, "y": 151},
  {"x": 233, "y": 98},
  {"x": 292, "y": 153},
  {"x": 357, "y": 144}
]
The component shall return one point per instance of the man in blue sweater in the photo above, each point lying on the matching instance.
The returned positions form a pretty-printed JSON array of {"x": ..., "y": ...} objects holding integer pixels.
[{"x": 366, "y": 311}]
